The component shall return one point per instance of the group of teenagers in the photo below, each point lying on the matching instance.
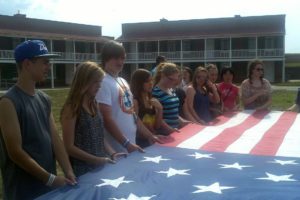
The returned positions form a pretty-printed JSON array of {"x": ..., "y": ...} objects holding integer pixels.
[{"x": 104, "y": 117}]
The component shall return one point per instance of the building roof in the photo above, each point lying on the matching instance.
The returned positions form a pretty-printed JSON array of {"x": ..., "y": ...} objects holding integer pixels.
[
  {"x": 19, "y": 24},
  {"x": 197, "y": 28}
]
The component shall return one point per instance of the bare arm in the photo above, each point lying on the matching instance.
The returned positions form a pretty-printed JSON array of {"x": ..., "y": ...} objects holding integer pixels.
[
  {"x": 214, "y": 96},
  {"x": 68, "y": 126},
  {"x": 158, "y": 113},
  {"x": 113, "y": 129},
  {"x": 11, "y": 133}
]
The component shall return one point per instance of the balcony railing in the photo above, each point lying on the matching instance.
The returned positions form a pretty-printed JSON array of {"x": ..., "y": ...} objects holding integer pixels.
[
  {"x": 175, "y": 55},
  {"x": 7, "y": 55},
  {"x": 64, "y": 56},
  {"x": 270, "y": 53}
]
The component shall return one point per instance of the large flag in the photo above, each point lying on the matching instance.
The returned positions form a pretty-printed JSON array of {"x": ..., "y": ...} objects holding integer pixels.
[
  {"x": 257, "y": 169},
  {"x": 272, "y": 133}
]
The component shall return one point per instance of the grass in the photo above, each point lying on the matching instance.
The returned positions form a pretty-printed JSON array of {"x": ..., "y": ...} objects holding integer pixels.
[{"x": 282, "y": 99}]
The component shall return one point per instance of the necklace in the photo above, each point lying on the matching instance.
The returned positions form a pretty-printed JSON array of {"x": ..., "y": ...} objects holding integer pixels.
[{"x": 128, "y": 102}]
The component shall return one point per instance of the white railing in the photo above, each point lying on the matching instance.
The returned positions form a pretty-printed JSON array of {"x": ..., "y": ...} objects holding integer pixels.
[
  {"x": 217, "y": 54},
  {"x": 270, "y": 52},
  {"x": 243, "y": 53},
  {"x": 7, "y": 54},
  {"x": 174, "y": 55},
  {"x": 64, "y": 56},
  {"x": 193, "y": 55}
]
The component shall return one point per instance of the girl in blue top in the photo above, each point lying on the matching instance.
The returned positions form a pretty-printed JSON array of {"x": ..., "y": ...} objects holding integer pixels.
[{"x": 198, "y": 97}]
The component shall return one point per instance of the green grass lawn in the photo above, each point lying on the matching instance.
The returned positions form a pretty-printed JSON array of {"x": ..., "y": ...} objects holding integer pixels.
[{"x": 282, "y": 100}]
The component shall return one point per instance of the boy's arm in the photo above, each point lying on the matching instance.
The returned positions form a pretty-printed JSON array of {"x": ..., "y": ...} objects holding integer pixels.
[
  {"x": 60, "y": 153},
  {"x": 11, "y": 133},
  {"x": 113, "y": 129}
]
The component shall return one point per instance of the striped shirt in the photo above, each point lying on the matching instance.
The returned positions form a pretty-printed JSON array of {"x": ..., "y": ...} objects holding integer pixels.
[{"x": 170, "y": 105}]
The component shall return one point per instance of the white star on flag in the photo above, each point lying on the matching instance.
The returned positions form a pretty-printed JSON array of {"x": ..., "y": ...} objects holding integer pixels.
[
  {"x": 284, "y": 162},
  {"x": 173, "y": 172},
  {"x": 113, "y": 182},
  {"x": 234, "y": 165},
  {"x": 200, "y": 155},
  {"x": 215, "y": 187},
  {"x": 134, "y": 197},
  {"x": 276, "y": 178},
  {"x": 156, "y": 159}
]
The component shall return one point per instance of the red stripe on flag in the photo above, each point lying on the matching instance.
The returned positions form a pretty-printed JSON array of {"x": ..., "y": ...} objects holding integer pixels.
[
  {"x": 192, "y": 129},
  {"x": 230, "y": 135},
  {"x": 272, "y": 139}
]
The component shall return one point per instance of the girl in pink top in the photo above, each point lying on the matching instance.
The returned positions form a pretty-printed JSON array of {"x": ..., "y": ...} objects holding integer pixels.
[{"x": 229, "y": 92}]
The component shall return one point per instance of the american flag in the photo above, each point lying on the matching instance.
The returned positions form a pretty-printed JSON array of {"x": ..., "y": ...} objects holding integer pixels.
[{"x": 245, "y": 155}]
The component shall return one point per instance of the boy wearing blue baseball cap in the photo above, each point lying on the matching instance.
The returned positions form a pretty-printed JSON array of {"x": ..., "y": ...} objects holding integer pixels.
[{"x": 29, "y": 142}]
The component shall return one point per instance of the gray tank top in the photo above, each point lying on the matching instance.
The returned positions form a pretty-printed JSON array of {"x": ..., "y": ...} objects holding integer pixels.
[{"x": 33, "y": 114}]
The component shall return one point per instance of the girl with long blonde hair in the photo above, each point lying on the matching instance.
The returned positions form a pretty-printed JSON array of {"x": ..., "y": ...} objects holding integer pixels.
[{"x": 82, "y": 123}]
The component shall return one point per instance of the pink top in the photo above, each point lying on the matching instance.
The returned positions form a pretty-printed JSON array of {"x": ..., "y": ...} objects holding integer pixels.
[{"x": 229, "y": 93}]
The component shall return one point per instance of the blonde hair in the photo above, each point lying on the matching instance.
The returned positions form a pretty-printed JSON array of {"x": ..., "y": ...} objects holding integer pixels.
[
  {"x": 85, "y": 72},
  {"x": 167, "y": 69},
  {"x": 211, "y": 66},
  {"x": 197, "y": 71}
]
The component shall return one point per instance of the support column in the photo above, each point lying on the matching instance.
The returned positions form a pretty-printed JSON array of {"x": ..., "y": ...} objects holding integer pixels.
[
  {"x": 52, "y": 70},
  {"x": 181, "y": 56},
  {"x": 95, "y": 52},
  {"x": 74, "y": 56},
  {"x": 205, "y": 48},
  {"x": 256, "y": 47},
  {"x": 283, "y": 62}
]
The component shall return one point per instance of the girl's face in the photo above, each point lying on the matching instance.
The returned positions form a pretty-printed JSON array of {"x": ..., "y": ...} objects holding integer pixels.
[
  {"x": 94, "y": 86},
  {"x": 201, "y": 78},
  {"x": 258, "y": 71},
  {"x": 213, "y": 75},
  {"x": 170, "y": 81},
  {"x": 227, "y": 77},
  {"x": 148, "y": 84},
  {"x": 186, "y": 76}
]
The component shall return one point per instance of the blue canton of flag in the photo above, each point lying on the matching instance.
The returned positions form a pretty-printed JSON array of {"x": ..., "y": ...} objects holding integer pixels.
[{"x": 179, "y": 173}]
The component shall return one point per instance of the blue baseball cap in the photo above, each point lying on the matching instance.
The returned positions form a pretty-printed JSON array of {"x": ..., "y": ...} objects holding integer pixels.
[{"x": 32, "y": 49}]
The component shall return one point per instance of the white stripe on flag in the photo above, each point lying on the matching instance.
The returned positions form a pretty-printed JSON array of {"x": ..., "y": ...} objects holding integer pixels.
[
  {"x": 290, "y": 147},
  {"x": 210, "y": 132},
  {"x": 253, "y": 135}
]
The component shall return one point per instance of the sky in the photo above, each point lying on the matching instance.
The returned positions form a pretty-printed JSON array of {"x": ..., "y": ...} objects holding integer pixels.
[{"x": 111, "y": 14}]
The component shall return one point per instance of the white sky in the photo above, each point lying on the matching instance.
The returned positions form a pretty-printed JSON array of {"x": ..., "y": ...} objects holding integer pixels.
[{"x": 110, "y": 14}]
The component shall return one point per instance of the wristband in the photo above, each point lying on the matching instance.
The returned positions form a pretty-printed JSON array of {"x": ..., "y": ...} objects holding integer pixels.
[
  {"x": 125, "y": 144},
  {"x": 50, "y": 180}
]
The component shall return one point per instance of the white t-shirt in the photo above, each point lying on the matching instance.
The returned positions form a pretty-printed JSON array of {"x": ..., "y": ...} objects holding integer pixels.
[{"x": 116, "y": 93}]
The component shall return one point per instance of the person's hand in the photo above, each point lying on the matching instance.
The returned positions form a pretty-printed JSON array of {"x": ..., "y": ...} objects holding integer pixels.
[
  {"x": 59, "y": 181},
  {"x": 133, "y": 147},
  {"x": 103, "y": 160},
  {"x": 115, "y": 156},
  {"x": 158, "y": 138},
  {"x": 175, "y": 130},
  {"x": 293, "y": 108},
  {"x": 70, "y": 178},
  {"x": 185, "y": 122},
  {"x": 156, "y": 104},
  {"x": 262, "y": 92},
  {"x": 201, "y": 122}
]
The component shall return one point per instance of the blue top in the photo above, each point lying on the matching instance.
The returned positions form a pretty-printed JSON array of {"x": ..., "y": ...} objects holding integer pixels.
[
  {"x": 170, "y": 104},
  {"x": 33, "y": 112},
  {"x": 89, "y": 137},
  {"x": 201, "y": 106}
]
